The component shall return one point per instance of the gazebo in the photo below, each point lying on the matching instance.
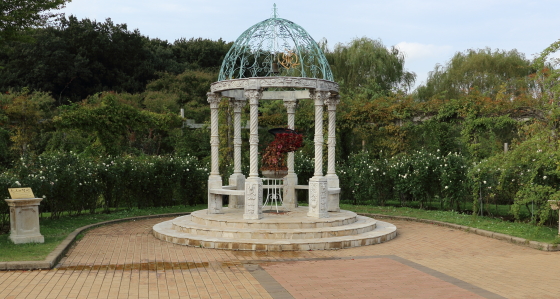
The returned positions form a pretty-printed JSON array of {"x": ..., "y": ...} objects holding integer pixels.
[{"x": 274, "y": 60}]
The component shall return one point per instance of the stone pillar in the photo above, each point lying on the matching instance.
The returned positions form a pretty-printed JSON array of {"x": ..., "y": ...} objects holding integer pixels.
[
  {"x": 332, "y": 178},
  {"x": 214, "y": 180},
  {"x": 318, "y": 189},
  {"x": 237, "y": 178},
  {"x": 290, "y": 181},
  {"x": 24, "y": 220},
  {"x": 253, "y": 184}
]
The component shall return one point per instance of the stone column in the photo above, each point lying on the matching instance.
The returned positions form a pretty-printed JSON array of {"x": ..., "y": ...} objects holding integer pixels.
[
  {"x": 318, "y": 189},
  {"x": 332, "y": 178},
  {"x": 253, "y": 184},
  {"x": 237, "y": 178},
  {"x": 24, "y": 220},
  {"x": 214, "y": 180},
  {"x": 290, "y": 181}
]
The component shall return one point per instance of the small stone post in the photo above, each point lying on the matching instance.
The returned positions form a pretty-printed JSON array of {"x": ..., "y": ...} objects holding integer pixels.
[
  {"x": 237, "y": 178},
  {"x": 24, "y": 220},
  {"x": 253, "y": 184},
  {"x": 318, "y": 189}
]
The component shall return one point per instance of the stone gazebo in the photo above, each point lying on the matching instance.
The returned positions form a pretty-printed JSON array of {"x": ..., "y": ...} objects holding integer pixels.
[{"x": 274, "y": 60}]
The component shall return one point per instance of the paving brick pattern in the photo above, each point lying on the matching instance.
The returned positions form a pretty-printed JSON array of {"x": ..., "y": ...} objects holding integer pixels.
[
  {"x": 124, "y": 260},
  {"x": 360, "y": 278}
]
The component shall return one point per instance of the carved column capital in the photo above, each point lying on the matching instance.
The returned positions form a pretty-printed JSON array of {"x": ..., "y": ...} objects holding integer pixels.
[
  {"x": 290, "y": 105},
  {"x": 320, "y": 96},
  {"x": 332, "y": 102},
  {"x": 214, "y": 99},
  {"x": 237, "y": 105},
  {"x": 253, "y": 95}
]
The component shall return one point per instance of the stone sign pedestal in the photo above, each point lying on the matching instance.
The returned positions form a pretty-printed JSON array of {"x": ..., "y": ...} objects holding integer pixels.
[{"x": 24, "y": 220}]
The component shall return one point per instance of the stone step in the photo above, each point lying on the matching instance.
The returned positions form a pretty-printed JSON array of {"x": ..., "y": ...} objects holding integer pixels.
[
  {"x": 383, "y": 232},
  {"x": 292, "y": 219},
  {"x": 186, "y": 225}
]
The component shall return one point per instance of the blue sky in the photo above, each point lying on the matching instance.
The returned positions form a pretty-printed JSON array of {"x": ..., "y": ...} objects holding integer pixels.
[{"x": 429, "y": 32}]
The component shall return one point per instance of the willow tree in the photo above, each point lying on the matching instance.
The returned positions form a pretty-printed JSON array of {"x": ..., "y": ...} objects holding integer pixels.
[
  {"x": 488, "y": 71},
  {"x": 548, "y": 74},
  {"x": 366, "y": 65}
]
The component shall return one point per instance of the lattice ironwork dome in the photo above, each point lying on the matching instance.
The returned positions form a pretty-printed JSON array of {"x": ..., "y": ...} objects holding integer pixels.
[{"x": 275, "y": 47}]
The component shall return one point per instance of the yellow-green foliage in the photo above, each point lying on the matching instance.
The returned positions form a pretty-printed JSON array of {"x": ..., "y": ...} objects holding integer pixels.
[{"x": 113, "y": 123}]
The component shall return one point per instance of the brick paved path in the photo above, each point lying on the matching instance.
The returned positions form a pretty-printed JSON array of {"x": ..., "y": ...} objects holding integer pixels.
[{"x": 425, "y": 261}]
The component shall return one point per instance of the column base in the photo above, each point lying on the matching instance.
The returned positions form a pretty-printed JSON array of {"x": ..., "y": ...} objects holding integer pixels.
[
  {"x": 318, "y": 196},
  {"x": 27, "y": 239},
  {"x": 253, "y": 198}
]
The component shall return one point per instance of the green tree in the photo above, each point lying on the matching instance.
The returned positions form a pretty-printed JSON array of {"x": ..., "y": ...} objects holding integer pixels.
[
  {"x": 366, "y": 65},
  {"x": 18, "y": 16},
  {"x": 200, "y": 53},
  {"x": 115, "y": 125},
  {"x": 79, "y": 58},
  {"x": 25, "y": 113},
  {"x": 189, "y": 89},
  {"x": 546, "y": 77},
  {"x": 489, "y": 71}
]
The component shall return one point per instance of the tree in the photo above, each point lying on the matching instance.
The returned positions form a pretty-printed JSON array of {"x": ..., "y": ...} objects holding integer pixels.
[
  {"x": 489, "y": 71},
  {"x": 23, "y": 116},
  {"x": 200, "y": 53},
  {"x": 79, "y": 58},
  {"x": 189, "y": 89},
  {"x": 547, "y": 75},
  {"x": 368, "y": 66},
  {"x": 116, "y": 126},
  {"x": 17, "y": 16}
]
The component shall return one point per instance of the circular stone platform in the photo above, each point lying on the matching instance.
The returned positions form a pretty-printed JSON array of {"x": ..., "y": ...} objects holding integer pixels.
[{"x": 286, "y": 230}]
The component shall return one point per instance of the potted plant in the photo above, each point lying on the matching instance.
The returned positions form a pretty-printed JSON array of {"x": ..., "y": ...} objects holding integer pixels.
[{"x": 274, "y": 156}]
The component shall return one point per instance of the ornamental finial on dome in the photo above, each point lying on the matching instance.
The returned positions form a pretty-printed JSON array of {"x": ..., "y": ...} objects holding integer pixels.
[{"x": 275, "y": 11}]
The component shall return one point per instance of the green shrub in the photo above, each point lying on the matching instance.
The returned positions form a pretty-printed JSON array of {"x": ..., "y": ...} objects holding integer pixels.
[
  {"x": 71, "y": 183},
  {"x": 417, "y": 177},
  {"x": 525, "y": 178}
]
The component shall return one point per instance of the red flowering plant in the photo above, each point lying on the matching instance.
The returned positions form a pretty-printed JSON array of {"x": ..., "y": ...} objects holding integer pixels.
[{"x": 285, "y": 141}]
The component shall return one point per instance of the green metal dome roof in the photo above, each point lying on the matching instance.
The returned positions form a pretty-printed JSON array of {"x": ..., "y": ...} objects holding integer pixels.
[{"x": 275, "y": 47}]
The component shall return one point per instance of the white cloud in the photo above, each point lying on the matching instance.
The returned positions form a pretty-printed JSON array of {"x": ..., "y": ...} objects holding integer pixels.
[{"x": 418, "y": 51}]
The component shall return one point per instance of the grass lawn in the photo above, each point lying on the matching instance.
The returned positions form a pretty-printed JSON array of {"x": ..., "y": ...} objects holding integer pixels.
[
  {"x": 517, "y": 229},
  {"x": 55, "y": 231}
]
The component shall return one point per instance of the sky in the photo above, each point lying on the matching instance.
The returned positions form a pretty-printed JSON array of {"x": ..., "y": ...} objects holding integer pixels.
[{"x": 429, "y": 32}]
